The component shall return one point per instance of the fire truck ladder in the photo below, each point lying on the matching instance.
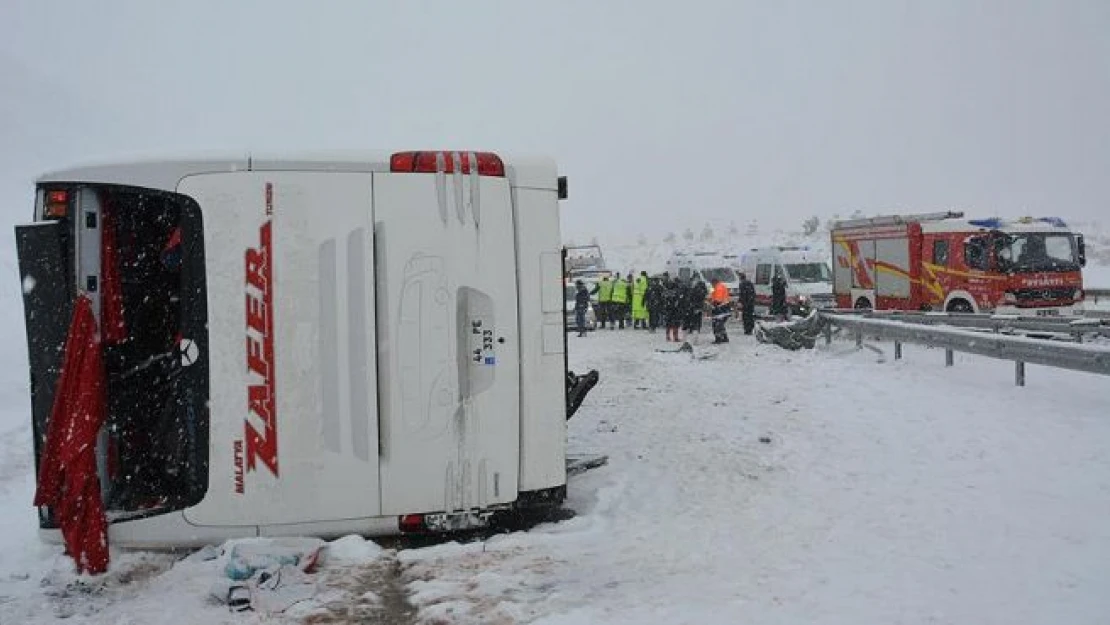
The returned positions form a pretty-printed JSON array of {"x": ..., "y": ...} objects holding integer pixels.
[{"x": 897, "y": 220}]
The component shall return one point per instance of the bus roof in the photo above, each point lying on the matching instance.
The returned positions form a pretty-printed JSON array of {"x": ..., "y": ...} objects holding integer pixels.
[{"x": 165, "y": 172}]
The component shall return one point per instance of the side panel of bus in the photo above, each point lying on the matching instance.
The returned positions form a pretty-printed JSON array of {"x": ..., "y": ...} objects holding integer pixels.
[
  {"x": 450, "y": 390},
  {"x": 291, "y": 300}
]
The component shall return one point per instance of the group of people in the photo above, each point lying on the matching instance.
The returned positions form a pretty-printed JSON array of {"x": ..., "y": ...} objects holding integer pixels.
[{"x": 677, "y": 304}]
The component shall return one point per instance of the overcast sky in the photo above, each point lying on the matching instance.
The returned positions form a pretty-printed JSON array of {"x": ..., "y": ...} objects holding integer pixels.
[{"x": 663, "y": 114}]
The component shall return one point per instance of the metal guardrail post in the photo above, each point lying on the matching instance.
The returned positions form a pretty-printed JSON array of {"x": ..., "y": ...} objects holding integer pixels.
[
  {"x": 1046, "y": 342},
  {"x": 898, "y": 350},
  {"x": 1063, "y": 327},
  {"x": 828, "y": 334}
]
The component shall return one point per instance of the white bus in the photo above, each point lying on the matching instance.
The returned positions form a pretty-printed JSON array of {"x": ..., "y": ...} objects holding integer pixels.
[{"x": 307, "y": 345}]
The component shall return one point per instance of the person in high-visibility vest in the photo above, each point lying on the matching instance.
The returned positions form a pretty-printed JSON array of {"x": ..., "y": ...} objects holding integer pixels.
[
  {"x": 604, "y": 291},
  {"x": 621, "y": 298},
  {"x": 722, "y": 310},
  {"x": 639, "y": 306}
]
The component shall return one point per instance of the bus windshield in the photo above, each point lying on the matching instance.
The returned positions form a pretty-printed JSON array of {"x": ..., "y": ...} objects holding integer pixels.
[{"x": 808, "y": 272}]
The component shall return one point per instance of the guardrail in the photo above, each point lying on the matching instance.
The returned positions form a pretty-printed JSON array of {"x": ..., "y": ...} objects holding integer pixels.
[
  {"x": 1019, "y": 349},
  {"x": 1072, "y": 328},
  {"x": 1100, "y": 298}
]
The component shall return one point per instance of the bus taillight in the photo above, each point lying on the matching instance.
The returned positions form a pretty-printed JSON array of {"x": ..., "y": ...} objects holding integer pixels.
[{"x": 56, "y": 205}]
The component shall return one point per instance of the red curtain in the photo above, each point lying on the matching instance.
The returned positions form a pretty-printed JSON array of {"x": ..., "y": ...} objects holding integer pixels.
[{"x": 68, "y": 481}]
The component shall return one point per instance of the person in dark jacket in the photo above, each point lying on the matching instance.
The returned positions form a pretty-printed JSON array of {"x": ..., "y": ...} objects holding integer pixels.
[
  {"x": 695, "y": 304},
  {"x": 747, "y": 303},
  {"x": 778, "y": 297},
  {"x": 653, "y": 299},
  {"x": 665, "y": 284},
  {"x": 674, "y": 307},
  {"x": 581, "y": 306}
]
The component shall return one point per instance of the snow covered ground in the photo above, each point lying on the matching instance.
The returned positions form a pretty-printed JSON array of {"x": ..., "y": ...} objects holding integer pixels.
[
  {"x": 894, "y": 492},
  {"x": 1096, "y": 277},
  {"x": 762, "y": 487}
]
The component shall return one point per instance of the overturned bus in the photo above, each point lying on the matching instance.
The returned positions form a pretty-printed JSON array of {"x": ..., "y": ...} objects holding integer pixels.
[{"x": 304, "y": 346}]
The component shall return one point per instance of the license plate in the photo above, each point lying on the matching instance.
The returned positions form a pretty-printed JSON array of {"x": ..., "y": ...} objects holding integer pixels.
[{"x": 1051, "y": 312}]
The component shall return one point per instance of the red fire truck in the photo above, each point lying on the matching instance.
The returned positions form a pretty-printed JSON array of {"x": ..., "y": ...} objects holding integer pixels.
[{"x": 943, "y": 262}]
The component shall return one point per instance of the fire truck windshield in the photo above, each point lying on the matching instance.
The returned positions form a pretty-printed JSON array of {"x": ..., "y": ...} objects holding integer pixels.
[{"x": 1039, "y": 251}]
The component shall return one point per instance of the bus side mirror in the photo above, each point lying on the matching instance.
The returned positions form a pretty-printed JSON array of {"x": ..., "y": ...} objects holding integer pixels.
[
  {"x": 1082, "y": 249},
  {"x": 562, "y": 187}
]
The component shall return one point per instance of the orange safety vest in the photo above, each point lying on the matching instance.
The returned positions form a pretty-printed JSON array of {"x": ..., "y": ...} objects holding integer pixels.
[{"x": 720, "y": 294}]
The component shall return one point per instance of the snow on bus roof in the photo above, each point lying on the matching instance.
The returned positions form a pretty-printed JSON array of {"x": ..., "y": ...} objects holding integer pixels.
[{"x": 164, "y": 172}]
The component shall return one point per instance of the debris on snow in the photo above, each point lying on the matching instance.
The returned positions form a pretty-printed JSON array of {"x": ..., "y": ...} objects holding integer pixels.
[
  {"x": 249, "y": 556},
  {"x": 792, "y": 335}
]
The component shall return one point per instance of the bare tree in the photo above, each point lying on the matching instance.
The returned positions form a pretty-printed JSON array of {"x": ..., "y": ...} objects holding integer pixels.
[
  {"x": 688, "y": 235},
  {"x": 706, "y": 233},
  {"x": 670, "y": 238}
]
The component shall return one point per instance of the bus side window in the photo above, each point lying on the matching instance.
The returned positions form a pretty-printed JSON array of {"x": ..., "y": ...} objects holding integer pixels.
[
  {"x": 763, "y": 274},
  {"x": 940, "y": 253},
  {"x": 975, "y": 254}
]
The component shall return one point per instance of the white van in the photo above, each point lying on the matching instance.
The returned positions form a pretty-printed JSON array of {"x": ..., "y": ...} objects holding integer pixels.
[
  {"x": 807, "y": 274},
  {"x": 705, "y": 266},
  {"x": 309, "y": 345}
]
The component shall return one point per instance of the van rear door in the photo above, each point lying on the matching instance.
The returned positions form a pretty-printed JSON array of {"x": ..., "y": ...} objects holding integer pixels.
[{"x": 448, "y": 336}]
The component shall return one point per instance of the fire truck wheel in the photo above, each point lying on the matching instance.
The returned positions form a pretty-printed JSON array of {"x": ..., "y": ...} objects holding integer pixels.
[
  {"x": 863, "y": 304},
  {"x": 959, "y": 306}
]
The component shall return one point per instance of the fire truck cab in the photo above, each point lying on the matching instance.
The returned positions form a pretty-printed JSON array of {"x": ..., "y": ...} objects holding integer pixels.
[
  {"x": 314, "y": 345},
  {"x": 944, "y": 262}
]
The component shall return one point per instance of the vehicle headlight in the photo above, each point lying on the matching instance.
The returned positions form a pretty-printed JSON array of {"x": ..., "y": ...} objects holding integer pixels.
[
  {"x": 803, "y": 299},
  {"x": 1078, "y": 295},
  {"x": 1009, "y": 297}
]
